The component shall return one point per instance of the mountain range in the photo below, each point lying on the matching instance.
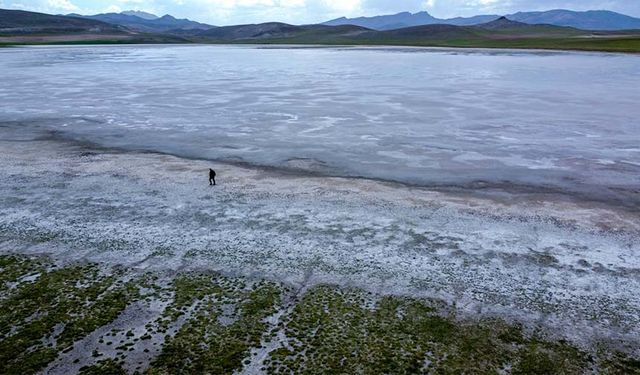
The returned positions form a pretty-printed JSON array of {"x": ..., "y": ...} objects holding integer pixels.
[
  {"x": 146, "y": 22},
  {"x": 589, "y": 20},
  {"x": 21, "y": 27},
  {"x": 406, "y": 19}
]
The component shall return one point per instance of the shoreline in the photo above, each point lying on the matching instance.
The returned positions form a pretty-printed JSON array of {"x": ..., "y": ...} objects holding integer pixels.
[
  {"x": 477, "y": 254},
  {"x": 482, "y": 188},
  {"x": 633, "y": 51}
]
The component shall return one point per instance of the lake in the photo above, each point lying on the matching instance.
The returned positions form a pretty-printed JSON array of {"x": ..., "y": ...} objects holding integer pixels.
[{"x": 437, "y": 117}]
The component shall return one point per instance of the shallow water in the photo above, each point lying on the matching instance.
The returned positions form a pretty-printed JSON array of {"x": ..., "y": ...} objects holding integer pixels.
[{"x": 563, "y": 121}]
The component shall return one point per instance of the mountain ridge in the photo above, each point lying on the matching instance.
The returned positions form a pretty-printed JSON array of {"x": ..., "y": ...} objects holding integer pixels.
[
  {"x": 24, "y": 27},
  {"x": 19, "y": 27},
  {"x": 587, "y": 20},
  {"x": 141, "y": 14},
  {"x": 407, "y": 19},
  {"x": 147, "y": 24}
]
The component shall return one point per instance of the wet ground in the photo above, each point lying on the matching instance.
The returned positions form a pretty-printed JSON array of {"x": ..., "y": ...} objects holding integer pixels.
[
  {"x": 541, "y": 259},
  {"x": 559, "y": 121}
]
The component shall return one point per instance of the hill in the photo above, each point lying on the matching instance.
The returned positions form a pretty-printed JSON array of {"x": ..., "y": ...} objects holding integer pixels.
[
  {"x": 18, "y": 22},
  {"x": 590, "y": 20},
  {"x": 252, "y": 31},
  {"x": 501, "y": 28},
  {"x": 21, "y": 27},
  {"x": 425, "y": 34},
  {"x": 499, "y": 33},
  {"x": 494, "y": 32},
  {"x": 276, "y": 31},
  {"x": 503, "y": 23}
]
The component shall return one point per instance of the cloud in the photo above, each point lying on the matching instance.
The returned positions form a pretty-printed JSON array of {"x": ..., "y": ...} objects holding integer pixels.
[
  {"x": 65, "y": 5},
  {"x": 112, "y": 9},
  {"x": 47, "y": 6},
  {"x": 394, "y": 6}
]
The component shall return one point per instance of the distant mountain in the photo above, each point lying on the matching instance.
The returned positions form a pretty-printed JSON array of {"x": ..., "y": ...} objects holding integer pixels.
[
  {"x": 406, "y": 19},
  {"x": 590, "y": 20},
  {"x": 156, "y": 25},
  {"x": 18, "y": 22},
  {"x": 141, "y": 14},
  {"x": 396, "y": 21}
]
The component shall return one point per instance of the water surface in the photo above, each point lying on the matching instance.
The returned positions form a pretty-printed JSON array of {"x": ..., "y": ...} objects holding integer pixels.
[{"x": 564, "y": 121}]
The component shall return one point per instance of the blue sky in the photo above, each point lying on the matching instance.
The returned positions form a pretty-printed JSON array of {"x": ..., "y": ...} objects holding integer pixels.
[{"x": 225, "y": 12}]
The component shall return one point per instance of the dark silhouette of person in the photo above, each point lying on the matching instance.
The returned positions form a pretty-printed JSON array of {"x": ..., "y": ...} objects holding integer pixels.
[{"x": 212, "y": 177}]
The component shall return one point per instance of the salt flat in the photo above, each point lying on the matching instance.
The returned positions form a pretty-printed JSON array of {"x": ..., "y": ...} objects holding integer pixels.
[
  {"x": 546, "y": 260},
  {"x": 562, "y": 121}
]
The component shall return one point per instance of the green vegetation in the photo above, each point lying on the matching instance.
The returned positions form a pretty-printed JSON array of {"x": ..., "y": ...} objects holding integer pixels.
[
  {"x": 207, "y": 343},
  {"x": 218, "y": 325},
  {"x": 105, "y": 367},
  {"x": 76, "y": 299},
  {"x": 603, "y": 44},
  {"x": 622, "y": 44},
  {"x": 628, "y": 44},
  {"x": 552, "y": 41},
  {"x": 331, "y": 333}
]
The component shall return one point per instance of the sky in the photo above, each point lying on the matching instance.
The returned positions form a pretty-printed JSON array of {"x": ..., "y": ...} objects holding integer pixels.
[{"x": 229, "y": 12}]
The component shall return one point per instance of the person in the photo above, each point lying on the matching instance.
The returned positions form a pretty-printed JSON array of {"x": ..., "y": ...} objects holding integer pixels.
[{"x": 212, "y": 177}]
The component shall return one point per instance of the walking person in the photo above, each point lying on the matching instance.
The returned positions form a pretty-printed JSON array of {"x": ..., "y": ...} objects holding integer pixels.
[{"x": 212, "y": 177}]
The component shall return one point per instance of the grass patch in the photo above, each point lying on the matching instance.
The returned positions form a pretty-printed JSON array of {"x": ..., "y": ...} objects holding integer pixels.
[
  {"x": 106, "y": 367},
  {"x": 42, "y": 317},
  {"x": 204, "y": 344},
  {"x": 332, "y": 333}
]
